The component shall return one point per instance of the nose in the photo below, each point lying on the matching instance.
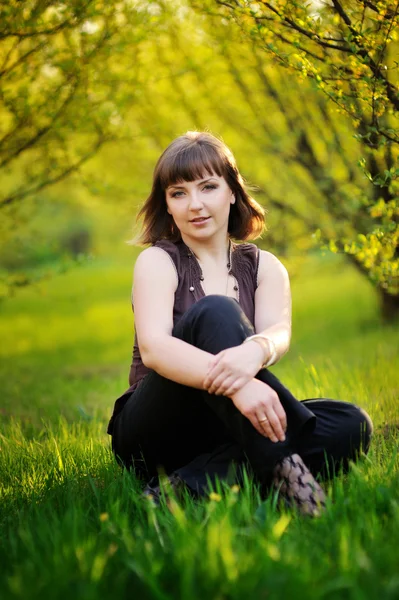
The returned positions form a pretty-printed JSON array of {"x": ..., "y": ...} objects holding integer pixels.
[{"x": 195, "y": 202}]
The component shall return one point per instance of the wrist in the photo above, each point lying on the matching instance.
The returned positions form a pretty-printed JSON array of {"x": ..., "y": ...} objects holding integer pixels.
[
  {"x": 260, "y": 349},
  {"x": 269, "y": 348},
  {"x": 247, "y": 390}
]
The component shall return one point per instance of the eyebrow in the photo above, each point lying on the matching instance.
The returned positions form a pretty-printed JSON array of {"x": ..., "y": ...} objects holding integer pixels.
[{"x": 182, "y": 186}]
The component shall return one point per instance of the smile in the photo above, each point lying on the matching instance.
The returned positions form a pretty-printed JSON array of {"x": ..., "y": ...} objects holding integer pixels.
[{"x": 199, "y": 220}]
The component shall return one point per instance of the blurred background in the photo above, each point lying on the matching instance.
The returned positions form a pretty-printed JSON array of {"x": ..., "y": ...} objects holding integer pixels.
[{"x": 92, "y": 92}]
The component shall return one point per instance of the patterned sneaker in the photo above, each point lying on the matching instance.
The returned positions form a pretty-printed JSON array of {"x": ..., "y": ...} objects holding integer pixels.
[
  {"x": 168, "y": 483},
  {"x": 298, "y": 485}
]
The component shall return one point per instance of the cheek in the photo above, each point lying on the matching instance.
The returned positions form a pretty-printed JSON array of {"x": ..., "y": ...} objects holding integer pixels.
[
  {"x": 227, "y": 204},
  {"x": 171, "y": 208},
  {"x": 175, "y": 212}
]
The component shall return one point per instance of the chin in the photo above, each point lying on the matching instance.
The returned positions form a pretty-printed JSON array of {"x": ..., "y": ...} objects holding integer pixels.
[
  {"x": 202, "y": 235},
  {"x": 198, "y": 234}
]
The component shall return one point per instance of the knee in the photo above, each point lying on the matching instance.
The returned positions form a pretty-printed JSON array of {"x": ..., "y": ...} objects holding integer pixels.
[
  {"x": 366, "y": 427},
  {"x": 360, "y": 429},
  {"x": 353, "y": 432},
  {"x": 348, "y": 442},
  {"x": 216, "y": 307},
  {"x": 215, "y": 303},
  {"x": 213, "y": 314}
]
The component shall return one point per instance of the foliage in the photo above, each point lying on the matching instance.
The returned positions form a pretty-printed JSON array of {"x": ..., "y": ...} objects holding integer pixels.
[
  {"x": 348, "y": 51},
  {"x": 68, "y": 73},
  {"x": 140, "y": 73},
  {"x": 50, "y": 238},
  {"x": 343, "y": 46},
  {"x": 67, "y": 76}
]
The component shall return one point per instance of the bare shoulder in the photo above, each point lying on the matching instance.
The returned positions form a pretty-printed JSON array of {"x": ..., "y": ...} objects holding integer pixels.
[
  {"x": 155, "y": 263},
  {"x": 271, "y": 267},
  {"x": 154, "y": 286},
  {"x": 153, "y": 294}
]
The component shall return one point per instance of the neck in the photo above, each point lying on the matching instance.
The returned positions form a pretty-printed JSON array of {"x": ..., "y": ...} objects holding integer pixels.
[{"x": 208, "y": 250}]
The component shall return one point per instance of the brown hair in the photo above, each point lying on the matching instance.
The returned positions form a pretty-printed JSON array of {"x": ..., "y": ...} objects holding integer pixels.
[{"x": 187, "y": 158}]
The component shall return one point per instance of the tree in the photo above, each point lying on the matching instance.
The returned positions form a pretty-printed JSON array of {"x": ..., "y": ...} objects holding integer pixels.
[
  {"x": 67, "y": 73},
  {"x": 344, "y": 49}
]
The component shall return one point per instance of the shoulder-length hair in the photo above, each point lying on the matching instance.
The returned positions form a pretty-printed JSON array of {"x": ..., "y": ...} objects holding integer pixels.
[{"x": 187, "y": 158}]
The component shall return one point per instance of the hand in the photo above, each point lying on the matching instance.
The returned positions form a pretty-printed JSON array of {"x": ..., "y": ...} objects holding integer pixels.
[
  {"x": 257, "y": 401},
  {"x": 232, "y": 368}
]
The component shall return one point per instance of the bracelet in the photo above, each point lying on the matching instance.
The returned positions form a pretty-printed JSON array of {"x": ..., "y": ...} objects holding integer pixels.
[{"x": 258, "y": 337}]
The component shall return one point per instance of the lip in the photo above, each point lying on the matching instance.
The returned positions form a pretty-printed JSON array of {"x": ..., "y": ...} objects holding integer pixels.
[{"x": 200, "y": 220}]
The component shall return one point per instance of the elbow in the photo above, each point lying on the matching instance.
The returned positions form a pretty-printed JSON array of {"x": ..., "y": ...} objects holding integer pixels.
[
  {"x": 147, "y": 358},
  {"x": 151, "y": 351},
  {"x": 287, "y": 335},
  {"x": 287, "y": 344},
  {"x": 285, "y": 349},
  {"x": 284, "y": 340}
]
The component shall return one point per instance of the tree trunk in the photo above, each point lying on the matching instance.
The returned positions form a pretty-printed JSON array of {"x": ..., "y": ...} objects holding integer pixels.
[{"x": 389, "y": 306}]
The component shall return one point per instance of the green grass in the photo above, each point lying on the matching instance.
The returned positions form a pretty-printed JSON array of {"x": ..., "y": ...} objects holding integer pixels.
[{"x": 71, "y": 522}]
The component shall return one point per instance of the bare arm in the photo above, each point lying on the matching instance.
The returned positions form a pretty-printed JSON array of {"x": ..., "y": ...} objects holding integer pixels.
[
  {"x": 273, "y": 303},
  {"x": 155, "y": 283}
]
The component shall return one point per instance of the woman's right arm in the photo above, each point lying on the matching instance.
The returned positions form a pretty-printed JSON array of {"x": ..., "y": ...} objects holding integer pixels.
[{"x": 154, "y": 286}]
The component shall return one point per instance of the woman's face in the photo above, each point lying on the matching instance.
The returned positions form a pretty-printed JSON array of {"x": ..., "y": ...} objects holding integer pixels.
[{"x": 200, "y": 208}]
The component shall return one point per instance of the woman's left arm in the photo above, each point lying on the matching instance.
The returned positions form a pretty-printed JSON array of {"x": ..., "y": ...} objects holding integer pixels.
[
  {"x": 273, "y": 306},
  {"x": 232, "y": 368}
]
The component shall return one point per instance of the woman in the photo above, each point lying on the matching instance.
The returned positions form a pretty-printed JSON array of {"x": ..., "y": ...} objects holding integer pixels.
[{"x": 211, "y": 316}]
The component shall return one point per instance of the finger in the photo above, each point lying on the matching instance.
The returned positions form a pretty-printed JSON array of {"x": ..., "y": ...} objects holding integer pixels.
[
  {"x": 212, "y": 362},
  {"x": 227, "y": 383},
  {"x": 216, "y": 384},
  {"x": 208, "y": 373},
  {"x": 211, "y": 376},
  {"x": 255, "y": 422},
  {"x": 263, "y": 427},
  {"x": 276, "y": 425},
  {"x": 280, "y": 412},
  {"x": 207, "y": 383},
  {"x": 213, "y": 373},
  {"x": 235, "y": 386},
  {"x": 215, "y": 360},
  {"x": 218, "y": 356},
  {"x": 264, "y": 422},
  {"x": 271, "y": 424}
]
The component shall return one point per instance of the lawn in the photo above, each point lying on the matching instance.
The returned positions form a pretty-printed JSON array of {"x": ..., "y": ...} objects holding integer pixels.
[{"x": 72, "y": 523}]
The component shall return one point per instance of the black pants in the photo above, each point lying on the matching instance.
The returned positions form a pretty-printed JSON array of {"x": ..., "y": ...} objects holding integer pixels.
[{"x": 200, "y": 436}]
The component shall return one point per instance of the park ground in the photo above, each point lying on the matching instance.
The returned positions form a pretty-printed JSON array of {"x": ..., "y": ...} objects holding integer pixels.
[{"x": 72, "y": 523}]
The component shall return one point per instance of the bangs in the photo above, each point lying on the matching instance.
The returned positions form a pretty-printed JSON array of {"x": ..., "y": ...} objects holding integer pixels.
[{"x": 190, "y": 163}]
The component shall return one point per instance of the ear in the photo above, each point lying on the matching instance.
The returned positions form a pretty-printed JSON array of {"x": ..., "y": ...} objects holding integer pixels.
[{"x": 233, "y": 198}]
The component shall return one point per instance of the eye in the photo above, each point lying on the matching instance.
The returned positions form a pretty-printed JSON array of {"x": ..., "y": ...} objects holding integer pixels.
[{"x": 208, "y": 186}]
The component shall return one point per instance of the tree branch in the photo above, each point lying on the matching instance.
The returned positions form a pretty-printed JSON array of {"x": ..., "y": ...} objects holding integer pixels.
[
  {"x": 30, "y": 34},
  {"x": 286, "y": 209},
  {"x": 41, "y": 131},
  {"x": 312, "y": 36},
  {"x": 391, "y": 90},
  {"x": 20, "y": 195},
  {"x": 21, "y": 59}
]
